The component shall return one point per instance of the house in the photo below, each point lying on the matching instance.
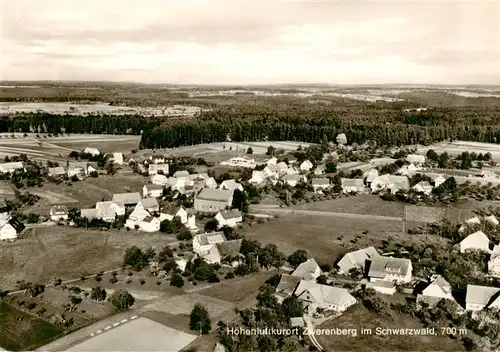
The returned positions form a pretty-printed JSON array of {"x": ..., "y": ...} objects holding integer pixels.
[
  {"x": 229, "y": 218},
  {"x": 293, "y": 180},
  {"x": 356, "y": 260},
  {"x": 240, "y": 162},
  {"x": 383, "y": 287},
  {"x": 352, "y": 185},
  {"x": 91, "y": 169},
  {"x": 306, "y": 165},
  {"x": 229, "y": 250},
  {"x": 57, "y": 171},
  {"x": 286, "y": 286},
  {"x": 492, "y": 220},
  {"x": 258, "y": 177},
  {"x": 316, "y": 296},
  {"x": 480, "y": 297},
  {"x": 272, "y": 161},
  {"x": 438, "y": 180},
  {"x": 308, "y": 270},
  {"x": 370, "y": 175},
  {"x": 320, "y": 170},
  {"x": 141, "y": 168},
  {"x": 158, "y": 179},
  {"x": 181, "y": 264},
  {"x": 79, "y": 169},
  {"x": 181, "y": 174},
  {"x": 272, "y": 170},
  {"x": 89, "y": 214},
  {"x": 149, "y": 224},
  {"x": 11, "y": 229},
  {"x": 210, "y": 183},
  {"x": 154, "y": 169},
  {"x": 8, "y": 168},
  {"x": 438, "y": 287},
  {"x": 137, "y": 215},
  {"x": 416, "y": 159},
  {"x": 152, "y": 191},
  {"x": 58, "y": 212},
  {"x": 292, "y": 170},
  {"x": 390, "y": 183},
  {"x": 118, "y": 158},
  {"x": 231, "y": 185},
  {"x": 204, "y": 242},
  {"x": 390, "y": 269},
  {"x": 213, "y": 200},
  {"x": 92, "y": 151},
  {"x": 156, "y": 159},
  {"x": 128, "y": 199},
  {"x": 423, "y": 187},
  {"x": 108, "y": 210},
  {"x": 470, "y": 223},
  {"x": 320, "y": 184},
  {"x": 149, "y": 204},
  {"x": 476, "y": 241}
]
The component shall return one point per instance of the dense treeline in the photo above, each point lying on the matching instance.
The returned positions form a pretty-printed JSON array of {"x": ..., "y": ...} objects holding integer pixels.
[{"x": 384, "y": 123}]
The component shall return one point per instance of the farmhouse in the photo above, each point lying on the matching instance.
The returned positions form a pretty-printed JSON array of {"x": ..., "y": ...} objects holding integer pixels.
[
  {"x": 320, "y": 184},
  {"x": 79, "y": 169},
  {"x": 423, "y": 187},
  {"x": 324, "y": 297},
  {"x": 11, "y": 229},
  {"x": 58, "y": 212},
  {"x": 286, "y": 286},
  {"x": 308, "y": 270},
  {"x": 181, "y": 174},
  {"x": 350, "y": 186},
  {"x": 57, "y": 171},
  {"x": 161, "y": 180},
  {"x": 293, "y": 180},
  {"x": 149, "y": 204},
  {"x": 370, "y": 175},
  {"x": 128, "y": 199},
  {"x": 390, "y": 269},
  {"x": 231, "y": 185},
  {"x": 356, "y": 260},
  {"x": 476, "y": 241},
  {"x": 480, "y": 297},
  {"x": 108, "y": 210},
  {"x": 240, "y": 162},
  {"x": 178, "y": 211},
  {"x": 8, "y": 168},
  {"x": 390, "y": 183},
  {"x": 258, "y": 177},
  {"x": 118, "y": 158},
  {"x": 204, "y": 242},
  {"x": 384, "y": 287},
  {"x": 492, "y": 220},
  {"x": 438, "y": 180},
  {"x": 229, "y": 218},
  {"x": 272, "y": 170},
  {"x": 292, "y": 170},
  {"x": 92, "y": 151},
  {"x": 152, "y": 191},
  {"x": 213, "y": 200},
  {"x": 272, "y": 161},
  {"x": 149, "y": 224},
  {"x": 156, "y": 159},
  {"x": 154, "y": 169},
  {"x": 137, "y": 215},
  {"x": 416, "y": 159},
  {"x": 437, "y": 290},
  {"x": 306, "y": 165},
  {"x": 228, "y": 250},
  {"x": 89, "y": 214}
]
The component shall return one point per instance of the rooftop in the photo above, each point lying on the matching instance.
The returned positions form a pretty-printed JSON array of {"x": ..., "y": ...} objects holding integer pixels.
[{"x": 220, "y": 195}]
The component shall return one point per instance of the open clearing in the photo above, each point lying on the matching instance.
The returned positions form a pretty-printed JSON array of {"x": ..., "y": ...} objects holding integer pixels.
[
  {"x": 458, "y": 147},
  {"x": 68, "y": 253},
  {"x": 141, "y": 334},
  {"x": 29, "y": 333},
  {"x": 358, "y": 317}
]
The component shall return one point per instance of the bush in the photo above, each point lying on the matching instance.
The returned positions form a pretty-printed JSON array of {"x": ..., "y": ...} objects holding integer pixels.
[
  {"x": 98, "y": 294},
  {"x": 177, "y": 281},
  {"x": 113, "y": 280},
  {"x": 122, "y": 300},
  {"x": 142, "y": 281}
]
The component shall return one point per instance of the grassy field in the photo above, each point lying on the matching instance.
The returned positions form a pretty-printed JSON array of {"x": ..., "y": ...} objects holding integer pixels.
[
  {"x": 359, "y": 317},
  {"x": 68, "y": 253},
  {"x": 24, "y": 335}
]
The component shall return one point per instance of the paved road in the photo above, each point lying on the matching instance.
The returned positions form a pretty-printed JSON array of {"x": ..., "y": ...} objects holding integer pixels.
[{"x": 276, "y": 210}]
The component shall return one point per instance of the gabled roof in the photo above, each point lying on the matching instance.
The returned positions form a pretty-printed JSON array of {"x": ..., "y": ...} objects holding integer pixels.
[
  {"x": 352, "y": 182},
  {"x": 356, "y": 259},
  {"x": 17, "y": 224},
  {"x": 473, "y": 221},
  {"x": 150, "y": 188},
  {"x": 210, "y": 238},
  {"x": 139, "y": 213},
  {"x": 149, "y": 203},
  {"x": 159, "y": 178},
  {"x": 77, "y": 165},
  {"x": 158, "y": 167},
  {"x": 219, "y": 195},
  {"x": 230, "y": 214},
  {"x": 12, "y": 165},
  {"x": 423, "y": 184},
  {"x": 483, "y": 295},
  {"x": 59, "y": 210},
  {"x": 307, "y": 269},
  {"x": 320, "y": 181},
  {"x": 107, "y": 209},
  {"x": 230, "y": 185},
  {"x": 475, "y": 239},
  {"x": 324, "y": 294},
  {"x": 181, "y": 173},
  {"x": 380, "y": 266},
  {"x": 288, "y": 284},
  {"x": 89, "y": 213},
  {"x": 94, "y": 151},
  {"x": 127, "y": 198},
  {"x": 492, "y": 220},
  {"x": 149, "y": 219},
  {"x": 370, "y": 175},
  {"x": 440, "y": 282},
  {"x": 229, "y": 248},
  {"x": 58, "y": 170}
]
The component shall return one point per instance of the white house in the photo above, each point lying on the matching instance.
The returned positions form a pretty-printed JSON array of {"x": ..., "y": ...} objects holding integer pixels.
[
  {"x": 258, "y": 177},
  {"x": 272, "y": 161},
  {"x": 383, "y": 287},
  {"x": 292, "y": 170},
  {"x": 437, "y": 289},
  {"x": 306, "y": 165},
  {"x": 408, "y": 170},
  {"x": 58, "y": 212},
  {"x": 128, "y": 199},
  {"x": 176, "y": 183},
  {"x": 92, "y": 151},
  {"x": 108, "y": 210},
  {"x": 149, "y": 224},
  {"x": 293, "y": 180},
  {"x": 390, "y": 269},
  {"x": 352, "y": 185},
  {"x": 149, "y": 204},
  {"x": 416, "y": 159},
  {"x": 8, "y": 232},
  {"x": 308, "y": 270},
  {"x": 203, "y": 243},
  {"x": 492, "y": 220},
  {"x": 56, "y": 171},
  {"x": 240, "y": 162},
  {"x": 231, "y": 185},
  {"x": 320, "y": 184},
  {"x": 79, "y": 169},
  {"x": 213, "y": 200},
  {"x": 8, "y": 168},
  {"x": 320, "y": 170},
  {"x": 210, "y": 183},
  {"x": 152, "y": 191},
  {"x": 476, "y": 241},
  {"x": 227, "y": 249},
  {"x": 438, "y": 180},
  {"x": 91, "y": 169},
  {"x": 324, "y": 297},
  {"x": 229, "y": 218},
  {"x": 356, "y": 260},
  {"x": 161, "y": 180},
  {"x": 154, "y": 169},
  {"x": 137, "y": 215},
  {"x": 390, "y": 183},
  {"x": 423, "y": 187},
  {"x": 118, "y": 158},
  {"x": 480, "y": 297},
  {"x": 272, "y": 170},
  {"x": 370, "y": 175}
]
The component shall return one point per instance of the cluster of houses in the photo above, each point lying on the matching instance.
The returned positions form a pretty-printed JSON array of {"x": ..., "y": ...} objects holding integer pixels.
[{"x": 274, "y": 172}]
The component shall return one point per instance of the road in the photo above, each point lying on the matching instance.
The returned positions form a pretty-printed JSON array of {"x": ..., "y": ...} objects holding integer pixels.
[{"x": 258, "y": 210}]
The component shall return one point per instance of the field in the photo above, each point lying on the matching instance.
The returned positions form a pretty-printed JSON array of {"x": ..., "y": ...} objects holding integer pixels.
[
  {"x": 141, "y": 334},
  {"x": 458, "y": 147},
  {"x": 358, "y": 317},
  {"x": 68, "y": 253},
  {"x": 31, "y": 332}
]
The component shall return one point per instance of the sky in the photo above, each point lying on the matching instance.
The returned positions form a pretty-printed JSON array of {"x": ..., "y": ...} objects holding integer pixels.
[{"x": 241, "y": 42}]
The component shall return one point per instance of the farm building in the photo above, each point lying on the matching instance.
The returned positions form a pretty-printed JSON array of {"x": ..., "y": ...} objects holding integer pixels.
[
  {"x": 480, "y": 297},
  {"x": 258, "y": 178},
  {"x": 213, "y": 200},
  {"x": 58, "y": 212},
  {"x": 370, "y": 175},
  {"x": 293, "y": 179},
  {"x": 203, "y": 243},
  {"x": 320, "y": 184},
  {"x": 181, "y": 174},
  {"x": 324, "y": 297},
  {"x": 137, "y": 215},
  {"x": 492, "y": 220},
  {"x": 154, "y": 169},
  {"x": 475, "y": 241},
  {"x": 118, "y": 158},
  {"x": 149, "y": 224},
  {"x": 229, "y": 218},
  {"x": 128, "y": 199},
  {"x": 306, "y": 165},
  {"x": 152, "y": 191},
  {"x": 223, "y": 250},
  {"x": 416, "y": 159},
  {"x": 8, "y": 168},
  {"x": 390, "y": 269},
  {"x": 286, "y": 286},
  {"x": 494, "y": 262},
  {"x": 320, "y": 170},
  {"x": 438, "y": 287},
  {"x": 350, "y": 185},
  {"x": 231, "y": 185},
  {"x": 149, "y": 204},
  {"x": 108, "y": 210},
  {"x": 79, "y": 169},
  {"x": 384, "y": 287},
  {"x": 308, "y": 270},
  {"x": 356, "y": 260},
  {"x": 57, "y": 171},
  {"x": 161, "y": 180},
  {"x": 423, "y": 187},
  {"x": 240, "y": 162},
  {"x": 89, "y": 214},
  {"x": 92, "y": 151}
]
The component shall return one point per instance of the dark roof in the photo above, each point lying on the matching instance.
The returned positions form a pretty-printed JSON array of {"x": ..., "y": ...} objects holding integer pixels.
[
  {"x": 229, "y": 248},
  {"x": 3, "y": 205},
  {"x": 17, "y": 225},
  {"x": 288, "y": 284},
  {"x": 219, "y": 195}
]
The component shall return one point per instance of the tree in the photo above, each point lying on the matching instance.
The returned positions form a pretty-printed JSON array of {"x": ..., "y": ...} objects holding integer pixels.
[
  {"x": 135, "y": 258},
  {"x": 297, "y": 258},
  {"x": 341, "y": 139},
  {"x": 98, "y": 294},
  {"x": 291, "y": 307},
  {"x": 249, "y": 150},
  {"x": 199, "y": 319},
  {"x": 165, "y": 254},
  {"x": 322, "y": 279},
  {"x": 274, "y": 280},
  {"x": 330, "y": 167},
  {"x": 122, "y": 300},
  {"x": 176, "y": 280},
  {"x": 270, "y": 150},
  {"x": 240, "y": 201},
  {"x": 270, "y": 256},
  {"x": 211, "y": 225},
  {"x": 33, "y": 218},
  {"x": 432, "y": 155}
]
